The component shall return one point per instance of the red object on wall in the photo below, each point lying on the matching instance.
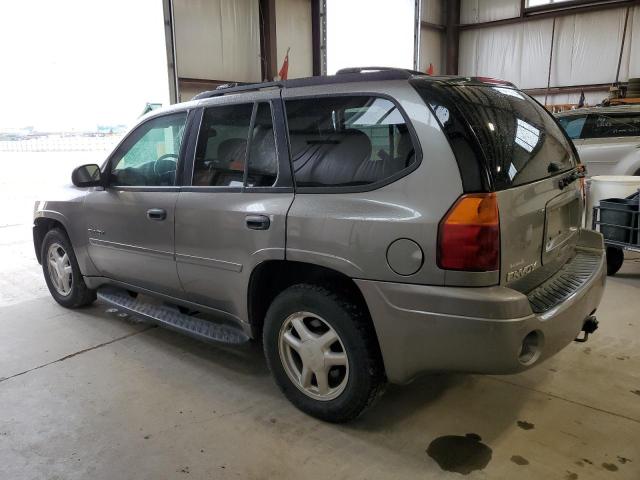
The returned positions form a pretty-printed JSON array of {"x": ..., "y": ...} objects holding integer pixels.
[
  {"x": 284, "y": 71},
  {"x": 430, "y": 69}
]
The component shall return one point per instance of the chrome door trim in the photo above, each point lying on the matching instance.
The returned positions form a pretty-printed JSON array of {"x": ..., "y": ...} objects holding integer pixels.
[
  {"x": 97, "y": 242},
  {"x": 209, "y": 262}
]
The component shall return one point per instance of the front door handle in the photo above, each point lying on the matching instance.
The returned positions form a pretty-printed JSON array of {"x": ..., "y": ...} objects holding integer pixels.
[
  {"x": 157, "y": 214},
  {"x": 258, "y": 222}
]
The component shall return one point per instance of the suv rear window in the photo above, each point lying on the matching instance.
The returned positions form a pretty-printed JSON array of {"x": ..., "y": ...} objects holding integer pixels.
[
  {"x": 345, "y": 141},
  {"x": 516, "y": 138}
]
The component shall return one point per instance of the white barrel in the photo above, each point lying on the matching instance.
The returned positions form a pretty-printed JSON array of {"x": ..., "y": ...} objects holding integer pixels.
[{"x": 608, "y": 186}]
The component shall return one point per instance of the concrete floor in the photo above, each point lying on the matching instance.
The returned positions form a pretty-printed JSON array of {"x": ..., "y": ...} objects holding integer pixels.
[{"x": 87, "y": 394}]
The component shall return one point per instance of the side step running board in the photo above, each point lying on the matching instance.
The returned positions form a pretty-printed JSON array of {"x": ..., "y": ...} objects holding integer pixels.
[{"x": 172, "y": 318}]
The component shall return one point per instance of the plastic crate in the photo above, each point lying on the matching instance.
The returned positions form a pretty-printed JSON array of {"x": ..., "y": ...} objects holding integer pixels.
[{"x": 619, "y": 219}]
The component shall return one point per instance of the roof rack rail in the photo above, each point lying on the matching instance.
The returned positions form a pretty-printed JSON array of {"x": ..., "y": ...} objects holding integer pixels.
[
  {"x": 231, "y": 85},
  {"x": 408, "y": 72},
  {"x": 235, "y": 87},
  {"x": 345, "y": 75}
]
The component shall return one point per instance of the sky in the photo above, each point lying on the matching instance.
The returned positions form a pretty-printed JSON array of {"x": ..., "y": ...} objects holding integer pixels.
[
  {"x": 369, "y": 33},
  {"x": 73, "y": 64}
]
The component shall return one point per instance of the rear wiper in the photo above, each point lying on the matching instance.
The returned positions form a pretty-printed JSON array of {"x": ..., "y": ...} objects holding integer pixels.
[{"x": 553, "y": 167}]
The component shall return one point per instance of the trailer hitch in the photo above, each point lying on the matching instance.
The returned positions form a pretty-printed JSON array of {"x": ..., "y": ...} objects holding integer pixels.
[{"x": 590, "y": 325}]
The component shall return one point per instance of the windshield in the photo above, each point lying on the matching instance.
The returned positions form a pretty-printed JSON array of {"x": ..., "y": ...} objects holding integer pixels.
[{"x": 519, "y": 141}]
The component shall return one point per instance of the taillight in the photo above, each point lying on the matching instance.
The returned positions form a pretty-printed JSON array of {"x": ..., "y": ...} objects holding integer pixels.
[{"x": 469, "y": 234}]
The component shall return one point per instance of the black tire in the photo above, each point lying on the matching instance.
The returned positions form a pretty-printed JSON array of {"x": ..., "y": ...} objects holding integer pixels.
[
  {"x": 350, "y": 321},
  {"x": 615, "y": 257},
  {"x": 80, "y": 295}
]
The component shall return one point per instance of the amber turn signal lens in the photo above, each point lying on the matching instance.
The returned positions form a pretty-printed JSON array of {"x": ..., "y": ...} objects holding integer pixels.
[{"x": 469, "y": 234}]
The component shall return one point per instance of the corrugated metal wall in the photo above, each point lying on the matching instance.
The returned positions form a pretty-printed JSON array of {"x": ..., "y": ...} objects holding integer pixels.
[
  {"x": 219, "y": 41},
  {"x": 586, "y": 48}
]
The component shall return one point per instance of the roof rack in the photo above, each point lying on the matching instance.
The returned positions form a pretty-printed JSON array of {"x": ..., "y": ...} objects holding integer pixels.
[
  {"x": 235, "y": 87},
  {"x": 232, "y": 85},
  {"x": 345, "y": 75},
  {"x": 407, "y": 72}
]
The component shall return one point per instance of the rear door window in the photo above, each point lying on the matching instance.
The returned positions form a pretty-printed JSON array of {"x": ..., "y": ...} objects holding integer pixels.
[
  {"x": 226, "y": 137},
  {"x": 347, "y": 141},
  {"x": 262, "y": 169},
  {"x": 519, "y": 141},
  {"x": 222, "y": 146}
]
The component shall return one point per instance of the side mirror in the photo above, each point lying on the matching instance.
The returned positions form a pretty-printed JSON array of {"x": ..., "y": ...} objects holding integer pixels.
[{"x": 87, "y": 176}]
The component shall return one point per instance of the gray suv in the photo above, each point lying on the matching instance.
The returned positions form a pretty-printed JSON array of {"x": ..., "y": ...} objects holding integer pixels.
[{"x": 368, "y": 227}]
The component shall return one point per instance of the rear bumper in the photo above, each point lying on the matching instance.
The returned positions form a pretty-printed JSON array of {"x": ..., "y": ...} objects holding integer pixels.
[{"x": 427, "y": 329}]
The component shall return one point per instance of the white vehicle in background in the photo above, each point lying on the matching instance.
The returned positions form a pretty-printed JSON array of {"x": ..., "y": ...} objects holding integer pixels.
[{"x": 607, "y": 138}]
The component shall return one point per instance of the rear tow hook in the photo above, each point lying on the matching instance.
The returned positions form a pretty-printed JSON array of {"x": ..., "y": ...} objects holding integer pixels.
[{"x": 590, "y": 325}]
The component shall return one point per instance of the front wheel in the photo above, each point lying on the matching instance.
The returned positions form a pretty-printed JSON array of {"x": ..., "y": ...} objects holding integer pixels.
[
  {"x": 322, "y": 352},
  {"x": 615, "y": 257},
  {"x": 62, "y": 273}
]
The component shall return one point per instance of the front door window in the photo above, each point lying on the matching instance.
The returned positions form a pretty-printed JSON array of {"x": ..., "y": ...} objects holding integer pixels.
[{"x": 149, "y": 156}]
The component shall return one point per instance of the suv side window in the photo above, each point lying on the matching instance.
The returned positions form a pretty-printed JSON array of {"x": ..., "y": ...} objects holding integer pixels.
[
  {"x": 221, "y": 153},
  {"x": 573, "y": 125},
  {"x": 614, "y": 125},
  {"x": 222, "y": 146},
  {"x": 263, "y": 161},
  {"x": 347, "y": 140},
  {"x": 149, "y": 156}
]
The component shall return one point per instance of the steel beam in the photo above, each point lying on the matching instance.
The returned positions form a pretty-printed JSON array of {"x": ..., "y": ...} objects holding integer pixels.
[
  {"x": 170, "y": 40},
  {"x": 202, "y": 81},
  {"x": 433, "y": 26},
  {"x": 452, "y": 36},
  {"x": 318, "y": 36},
  {"x": 595, "y": 87},
  {"x": 268, "y": 39},
  {"x": 417, "y": 33},
  {"x": 624, "y": 36}
]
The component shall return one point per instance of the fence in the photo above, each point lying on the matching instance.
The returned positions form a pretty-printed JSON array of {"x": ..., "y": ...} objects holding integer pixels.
[{"x": 61, "y": 144}]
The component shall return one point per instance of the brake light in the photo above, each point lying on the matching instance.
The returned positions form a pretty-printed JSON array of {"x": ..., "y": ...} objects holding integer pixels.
[{"x": 469, "y": 234}]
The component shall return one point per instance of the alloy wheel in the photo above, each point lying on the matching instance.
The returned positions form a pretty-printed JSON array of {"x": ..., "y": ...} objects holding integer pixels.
[
  {"x": 313, "y": 356},
  {"x": 60, "y": 271}
]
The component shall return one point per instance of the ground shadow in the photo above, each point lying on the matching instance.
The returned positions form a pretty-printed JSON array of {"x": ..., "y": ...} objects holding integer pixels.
[{"x": 398, "y": 405}]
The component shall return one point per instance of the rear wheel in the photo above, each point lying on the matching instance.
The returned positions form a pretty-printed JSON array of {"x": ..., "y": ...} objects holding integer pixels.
[
  {"x": 62, "y": 273},
  {"x": 322, "y": 352},
  {"x": 615, "y": 257}
]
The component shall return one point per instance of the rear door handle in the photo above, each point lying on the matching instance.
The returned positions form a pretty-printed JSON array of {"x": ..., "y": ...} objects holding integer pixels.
[
  {"x": 258, "y": 222},
  {"x": 157, "y": 214}
]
